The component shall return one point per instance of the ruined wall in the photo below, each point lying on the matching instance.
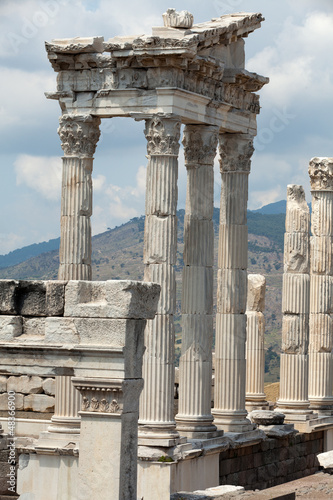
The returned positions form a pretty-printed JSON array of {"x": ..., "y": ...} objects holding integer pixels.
[{"x": 272, "y": 462}]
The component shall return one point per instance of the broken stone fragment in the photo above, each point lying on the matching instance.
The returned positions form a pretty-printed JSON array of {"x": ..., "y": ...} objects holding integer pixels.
[
  {"x": 174, "y": 19},
  {"x": 266, "y": 417}
]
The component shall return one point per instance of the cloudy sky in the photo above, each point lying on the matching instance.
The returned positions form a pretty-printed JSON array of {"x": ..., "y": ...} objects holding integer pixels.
[{"x": 293, "y": 48}]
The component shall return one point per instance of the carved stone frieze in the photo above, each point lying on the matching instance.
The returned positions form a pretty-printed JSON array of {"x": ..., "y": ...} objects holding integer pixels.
[
  {"x": 162, "y": 136},
  {"x": 100, "y": 395},
  {"x": 236, "y": 151},
  {"x": 79, "y": 134},
  {"x": 200, "y": 143},
  {"x": 321, "y": 174}
]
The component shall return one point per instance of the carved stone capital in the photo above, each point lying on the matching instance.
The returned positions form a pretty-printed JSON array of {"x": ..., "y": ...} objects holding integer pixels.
[
  {"x": 100, "y": 395},
  {"x": 235, "y": 152},
  {"x": 200, "y": 143},
  {"x": 321, "y": 174},
  {"x": 79, "y": 134},
  {"x": 162, "y": 136}
]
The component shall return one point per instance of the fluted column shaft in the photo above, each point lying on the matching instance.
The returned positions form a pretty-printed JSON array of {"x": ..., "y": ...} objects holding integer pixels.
[
  {"x": 157, "y": 424},
  {"x": 230, "y": 366},
  {"x": 321, "y": 290},
  {"x": 195, "y": 368},
  {"x": 295, "y": 306},
  {"x": 255, "y": 343},
  {"x": 79, "y": 135}
]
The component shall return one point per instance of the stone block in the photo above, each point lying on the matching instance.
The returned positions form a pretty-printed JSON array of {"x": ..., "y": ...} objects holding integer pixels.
[
  {"x": 7, "y": 296},
  {"x": 3, "y": 383},
  {"x": 197, "y": 290},
  {"x": 296, "y": 253},
  {"x": 165, "y": 275},
  {"x": 295, "y": 293},
  {"x": 321, "y": 333},
  {"x": 10, "y": 328},
  {"x": 232, "y": 249},
  {"x": 198, "y": 242},
  {"x": 321, "y": 255},
  {"x": 25, "y": 384},
  {"x": 198, "y": 330},
  {"x": 256, "y": 287},
  {"x": 295, "y": 333},
  {"x": 234, "y": 189},
  {"x": 230, "y": 337},
  {"x": 18, "y": 401},
  {"x": 297, "y": 212},
  {"x": 33, "y": 328},
  {"x": 40, "y": 298},
  {"x": 49, "y": 386},
  {"x": 111, "y": 299},
  {"x": 321, "y": 294},
  {"x": 321, "y": 218},
  {"x": 160, "y": 240},
  {"x": 231, "y": 291},
  {"x": 200, "y": 192},
  {"x": 161, "y": 186},
  {"x": 39, "y": 402}
]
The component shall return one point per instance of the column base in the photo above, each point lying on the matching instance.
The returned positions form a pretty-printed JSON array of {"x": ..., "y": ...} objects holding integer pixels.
[
  {"x": 322, "y": 406},
  {"x": 232, "y": 421},
  {"x": 197, "y": 427},
  {"x": 256, "y": 405},
  {"x": 294, "y": 407},
  {"x": 65, "y": 425},
  {"x": 163, "y": 435}
]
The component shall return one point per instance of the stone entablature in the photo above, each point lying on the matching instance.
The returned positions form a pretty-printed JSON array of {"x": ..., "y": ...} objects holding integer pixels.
[{"x": 206, "y": 59}]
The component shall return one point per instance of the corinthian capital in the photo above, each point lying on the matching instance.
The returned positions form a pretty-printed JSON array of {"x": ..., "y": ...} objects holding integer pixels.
[
  {"x": 235, "y": 152},
  {"x": 200, "y": 142},
  {"x": 79, "y": 134},
  {"x": 162, "y": 136},
  {"x": 321, "y": 174}
]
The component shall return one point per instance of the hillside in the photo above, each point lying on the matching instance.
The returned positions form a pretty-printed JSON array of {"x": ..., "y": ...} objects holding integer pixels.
[{"x": 118, "y": 254}]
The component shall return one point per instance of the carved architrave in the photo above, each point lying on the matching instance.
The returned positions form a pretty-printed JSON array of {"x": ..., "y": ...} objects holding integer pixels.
[
  {"x": 321, "y": 174},
  {"x": 162, "y": 136},
  {"x": 79, "y": 134},
  {"x": 236, "y": 151},
  {"x": 100, "y": 395},
  {"x": 200, "y": 143}
]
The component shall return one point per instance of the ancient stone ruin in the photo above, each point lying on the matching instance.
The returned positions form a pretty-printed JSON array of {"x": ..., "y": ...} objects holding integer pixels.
[{"x": 110, "y": 345}]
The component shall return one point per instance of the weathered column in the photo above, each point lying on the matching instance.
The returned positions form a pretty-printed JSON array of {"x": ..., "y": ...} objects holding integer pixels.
[
  {"x": 255, "y": 343},
  {"x": 194, "y": 417},
  {"x": 295, "y": 306},
  {"x": 79, "y": 135},
  {"x": 230, "y": 366},
  {"x": 157, "y": 423},
  {"x": 321, "y": 282}
]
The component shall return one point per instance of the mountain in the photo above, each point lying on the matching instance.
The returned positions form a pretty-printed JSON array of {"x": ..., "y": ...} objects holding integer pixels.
[
  {"x": 26, "y": 253},
  {"x": 278, "y": 207}
]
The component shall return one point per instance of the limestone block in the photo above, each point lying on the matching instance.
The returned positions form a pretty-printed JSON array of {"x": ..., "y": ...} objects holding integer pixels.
[
  {"x": 164, "y": 274},
  {"x": 174, "y": 19},
  {"x": 37, "y": 298},
  {"x": 266, "y": 417},
  {"x": 234, "y": 194},
  {"x": 10, "y": 327},
  {"x": 111, "y": 299},
  {"x": 197, "y": 291},
  {"x": 230, "y": 337},
  {"x": 76, "y": 45},
  {"x": 200, "y": 192},
  {"x": 49, "y": 386},
  {"x": 7, "y": 296},
  {"x": 321, "y": 333},
  {"x": 18, "y": 402},
  {"x": 231, "y": 291},
  {"x": 33, "y": 328},
  {"x": 232, "y": 251},
  {"x": 322, "y": 255},
  {"x": 197, "y": 329},
  {"x": 326, "y": 459},
  {"x": 294, "y": 381},
  {"x": 198, "y": 242},
  {"x": 255, "y": 322},
  {"x": 256, "y": 288},
  {"x": 25, "y": 384},
  {"x": 39, "y": 402},
  {"x": 321, "y": 218},
  {"x": 297, "y": 212},
  {"x": 295, "y": 293},
  {"x": 76, "y": 247},
  {"x": 296, "y": 253},
  {"x": 295, "y": 333},
  {"x": 161, "y": 186},
  {"x": 159, "y": 338},
  {"x": 321, "y": 294},
  {"x": 321, "y": 174},
  {"x": 320, "y": 378},
  {"x": 160, "y": 240},
  {"x": 3, "y": 383}
]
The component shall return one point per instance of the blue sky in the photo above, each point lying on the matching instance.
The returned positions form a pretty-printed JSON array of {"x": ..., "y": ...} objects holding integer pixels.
[{"x": 293, "y": 48}]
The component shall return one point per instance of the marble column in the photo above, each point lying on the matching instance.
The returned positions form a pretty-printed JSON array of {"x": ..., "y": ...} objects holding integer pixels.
[
  {"x": 194, "y": 418},
  {"x": 321, "y": 287},
  {"x": 157, "y": 423},
  {"x": 255, "y": 343},
  {"x": 230, "y": 365},
  {"x": 79, "y": 135},
  {"x": 293, "y": 398}
]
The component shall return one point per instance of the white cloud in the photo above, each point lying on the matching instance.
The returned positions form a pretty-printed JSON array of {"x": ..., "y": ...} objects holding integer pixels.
[
  {"x": 9, "y": 242},
  {"x": 43, "y": 174},
  {"x": 98, "y": 183}
]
